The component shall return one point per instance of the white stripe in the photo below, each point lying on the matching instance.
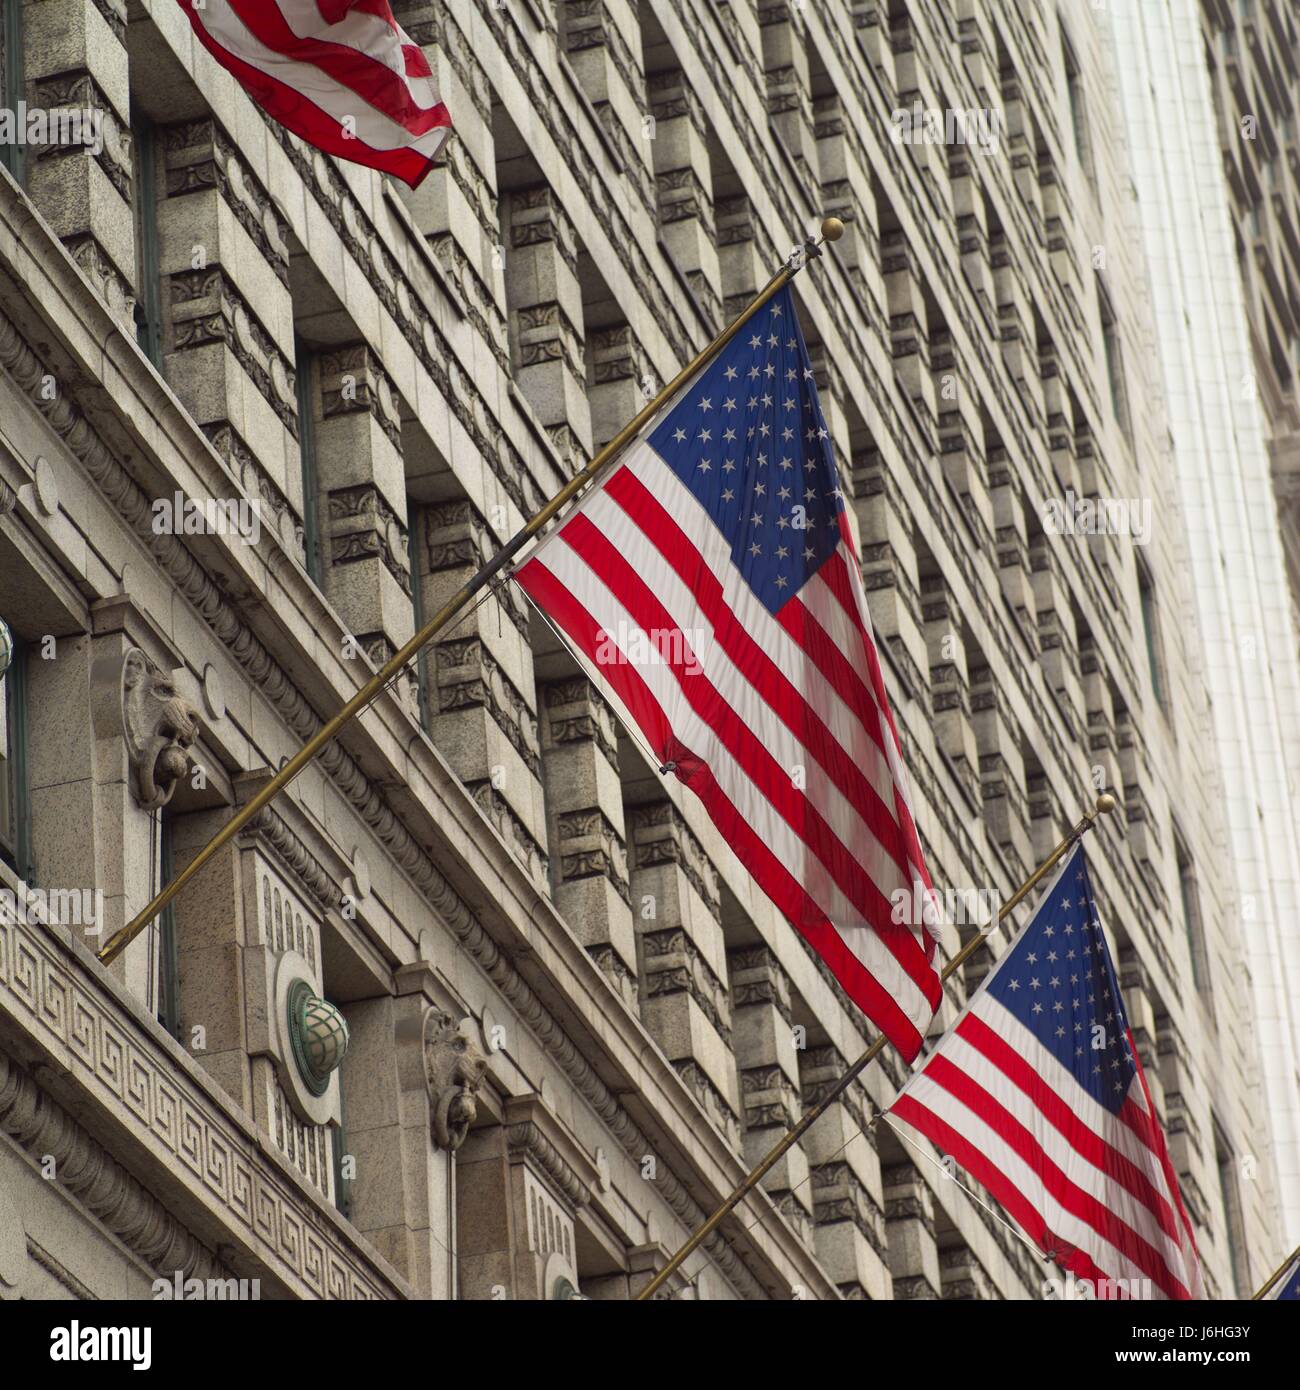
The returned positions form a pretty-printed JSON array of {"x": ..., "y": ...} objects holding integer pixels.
[
  {"x": 822, "y": 602},
  {"x": 994, "y": 1148},
  {"x": 1059, "y": 1078},
  {"x": 775, "y": 643},
  {"x": 1075, "y": 1165},
  {"x": 855, "y": 835},
  {"x": 368, "y": 34},
  {"x": 371, "y": 126},
  {"x": 763, "y": 818}
]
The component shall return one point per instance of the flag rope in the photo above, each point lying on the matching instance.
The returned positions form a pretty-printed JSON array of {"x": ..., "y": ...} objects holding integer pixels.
[
  {"x": 831, "y": 230},
  {"x": 979, "y": 1201},
  {"x": 1105, "y": 804}
]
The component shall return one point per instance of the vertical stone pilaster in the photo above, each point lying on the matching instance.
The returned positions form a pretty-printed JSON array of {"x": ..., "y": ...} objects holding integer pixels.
[
  {"x": 746, "y": 254},
  {"x": 1002, "y": 771},
  {"x": 619, "y": 380},
  {"x": 76, "y": 60},
  {"x": 585, "y": 827},
  {"x": 765, "y": 1049},
  {"x": 789, "y": 88},
  {"x": 602, "y": 39},
  {"x": 846, "y": 1188},
  {"x": 909, "y": 1223},
  {"x": 684, "y": 186},
  {"x": 228, "y": 344},
  {"x": 682, "y": 957},
  {"x": 889, "y": 567},
  {"x": 545, "y": 299},
  {"x": 478, "y": 683},
  {"x": 357, "y": 439},
  {"x": 945, "y": 640}
]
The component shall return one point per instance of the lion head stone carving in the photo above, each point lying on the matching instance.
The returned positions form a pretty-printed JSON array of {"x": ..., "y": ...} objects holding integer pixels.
[
  {"x": 160, "y": 726},
  {"x": 454, "y": 1066}
]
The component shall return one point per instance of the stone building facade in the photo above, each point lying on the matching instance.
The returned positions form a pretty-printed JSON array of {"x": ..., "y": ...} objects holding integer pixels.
[
  {"x": 1252, "y": 52},
  {"x": 573, "y": 1021},
  {"x": 1222, "y": 274}
]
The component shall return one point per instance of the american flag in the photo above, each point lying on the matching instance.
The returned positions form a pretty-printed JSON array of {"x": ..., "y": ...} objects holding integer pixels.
[
  {"x": 1038, "y": 1092},
  {"x": 711, "y": 588},
  {"x": 340, "y": 73},
  {"x": 1287, "y": 1289}
]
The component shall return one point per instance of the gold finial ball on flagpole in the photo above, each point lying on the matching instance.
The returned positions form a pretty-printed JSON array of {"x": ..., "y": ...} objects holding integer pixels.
[
  {"x": 1105, "y": 803},
  {"x": 832, "y": 229}
]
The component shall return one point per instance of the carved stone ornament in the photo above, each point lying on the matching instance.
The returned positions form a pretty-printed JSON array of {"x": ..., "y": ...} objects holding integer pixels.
[
  {"x": 160, "y": 728},
  {"x": 454, "y": 1066}
]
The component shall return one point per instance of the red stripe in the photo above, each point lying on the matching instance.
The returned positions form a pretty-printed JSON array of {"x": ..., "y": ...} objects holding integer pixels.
[
  {"x": 945, "y": 1073},
  {"x": 304, "y": 118},
  {"x": 984, "y": 1170},
  {"x": 373, "y": 81},
  {"x": 1115, "y": 1165},
  {"x": 844, "y": 585},
  {"x": 556, "y": 600},
  {"x": 614, "y": 570},
  {"x": 1147, "y": 1128},
  {"x": 754, "y": 664}
]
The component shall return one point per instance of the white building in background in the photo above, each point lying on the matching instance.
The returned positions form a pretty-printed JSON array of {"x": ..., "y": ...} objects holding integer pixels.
[{"x": 1238, "y": 595}]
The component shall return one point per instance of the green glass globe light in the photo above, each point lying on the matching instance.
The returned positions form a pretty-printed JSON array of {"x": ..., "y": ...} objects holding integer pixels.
[{"x": 319, "y": 1033}]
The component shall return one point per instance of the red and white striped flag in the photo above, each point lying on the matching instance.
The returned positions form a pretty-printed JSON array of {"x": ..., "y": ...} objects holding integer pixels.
[
  {"x": 1038, "y": 1092},
  {"x": 340, "y": 73},
  {"x": 711, "y": 588}
]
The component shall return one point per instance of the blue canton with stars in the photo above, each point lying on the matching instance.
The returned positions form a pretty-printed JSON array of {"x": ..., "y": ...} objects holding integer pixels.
[
  {"x": 1058, "y": 980},
  {"x": 1288, "y": 1287},
  {"x": 747, "y": 436}
]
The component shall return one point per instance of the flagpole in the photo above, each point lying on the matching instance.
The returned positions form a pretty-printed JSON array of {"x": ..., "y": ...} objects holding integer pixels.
[
  {"x": 1105, "y": 804},
  {"x": 1277, "y": 1274},
  {"x": 831, "y": 230}
]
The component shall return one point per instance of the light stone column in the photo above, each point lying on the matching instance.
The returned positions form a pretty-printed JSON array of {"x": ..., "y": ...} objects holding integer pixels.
[
  {"x": 228, "y": 344},
  {"x": 75, "y": 58},
  {"x": 684, "y": 186},
  {"x": 584, "y": 820},
  {"x": 747, "y": 257},
  {"x": 848, "y": 1207},
  {"x": 889, "y": 568},
  {"x": 1058, "y": 654},
  {"x": 1002, "y": 771},
  {"x": 478, "y": 686},
  {"x": 602, "y": 40},
  {"x": 909, "y": 1225},
  {"x": 789, "y": 88},
  {"x": 546, "y": 319},
  {"x": 619, "y": 380},
  {"x": 401, "y": 1192},
  {"x": 909, "y": 325},
  {"x": 945, "y": 640},
  {"x": 682, "y": 957},
  {"x": 764, "y": 1042},
  {"x": 357, "y": 439},
  {"x": 847, "y": 193}
]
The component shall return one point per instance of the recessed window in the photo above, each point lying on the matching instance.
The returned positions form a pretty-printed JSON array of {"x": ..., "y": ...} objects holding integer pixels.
[
  {"x": 15, "y": 809},
  {"x": 1234, "y": 1224},
  {"x": 148, "y": 305},
  {"x": 1192, "y": 922},
  {"x": 12, "y": 80},
  {"x": 1114, "y": 360},
  {"x": 1151, "y": 630}
]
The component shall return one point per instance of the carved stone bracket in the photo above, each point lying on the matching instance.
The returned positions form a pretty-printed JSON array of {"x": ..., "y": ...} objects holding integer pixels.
[
  {"x": 454, "y": 1067},
  {"x": 159, "y": 726}
]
